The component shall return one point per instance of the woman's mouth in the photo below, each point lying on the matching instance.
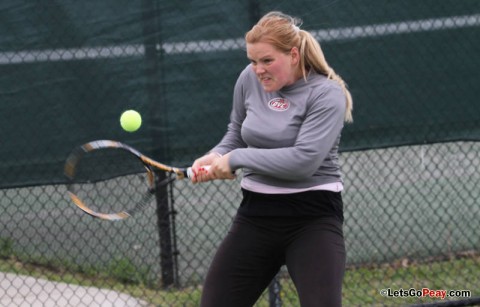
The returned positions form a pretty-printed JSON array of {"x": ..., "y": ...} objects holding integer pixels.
[{"x": 265, "y": 79}]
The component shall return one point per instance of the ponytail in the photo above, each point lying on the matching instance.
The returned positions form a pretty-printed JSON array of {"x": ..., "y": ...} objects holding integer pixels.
[{"x": 312, "y": 57}]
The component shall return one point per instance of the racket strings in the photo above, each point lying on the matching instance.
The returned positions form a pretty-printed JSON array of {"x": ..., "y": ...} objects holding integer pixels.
[{"x": 111, "y": 183}]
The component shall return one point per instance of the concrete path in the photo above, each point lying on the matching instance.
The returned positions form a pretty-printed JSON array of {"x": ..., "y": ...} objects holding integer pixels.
[{"x": 26, "y": 291}]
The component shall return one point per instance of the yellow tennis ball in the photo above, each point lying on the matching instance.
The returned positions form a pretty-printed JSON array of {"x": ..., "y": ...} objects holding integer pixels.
[{"x": 130, "y": 120}]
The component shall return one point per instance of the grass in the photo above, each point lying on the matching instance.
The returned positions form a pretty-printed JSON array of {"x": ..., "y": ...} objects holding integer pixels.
[
  {"x": 362, "y": 284},
  {"x": 455, "y": 274}
]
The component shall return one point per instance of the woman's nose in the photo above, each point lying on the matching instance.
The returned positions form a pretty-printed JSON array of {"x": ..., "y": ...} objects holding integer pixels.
[{"x": 259, "y": 69}]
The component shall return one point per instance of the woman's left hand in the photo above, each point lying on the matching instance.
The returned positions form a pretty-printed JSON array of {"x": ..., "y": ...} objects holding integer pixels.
[{"x": 220, "y": 168}]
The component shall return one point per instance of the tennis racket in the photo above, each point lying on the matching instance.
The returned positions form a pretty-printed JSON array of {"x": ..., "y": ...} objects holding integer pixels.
[{"x": 111, "y": 180}]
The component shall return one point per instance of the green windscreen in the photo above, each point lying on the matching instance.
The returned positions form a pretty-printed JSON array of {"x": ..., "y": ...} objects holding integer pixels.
[{"x": 70, "y": 68}]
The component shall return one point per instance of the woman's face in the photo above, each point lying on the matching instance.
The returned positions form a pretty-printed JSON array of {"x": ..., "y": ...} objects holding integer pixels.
[{"x": 274, "y": 69}]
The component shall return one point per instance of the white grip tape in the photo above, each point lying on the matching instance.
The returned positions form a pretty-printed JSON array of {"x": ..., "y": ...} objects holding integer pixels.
[{"x": 191, "y": 174}]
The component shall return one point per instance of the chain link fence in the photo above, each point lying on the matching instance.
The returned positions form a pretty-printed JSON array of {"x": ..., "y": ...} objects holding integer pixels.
[{"x": 410, "y": 159}]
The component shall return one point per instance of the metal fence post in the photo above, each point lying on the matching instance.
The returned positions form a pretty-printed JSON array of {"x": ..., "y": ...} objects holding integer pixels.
[
  {"x": 156, "y": 101},
  {"x": 164, "y": 222},
  {"x": 274, "y": 289}
]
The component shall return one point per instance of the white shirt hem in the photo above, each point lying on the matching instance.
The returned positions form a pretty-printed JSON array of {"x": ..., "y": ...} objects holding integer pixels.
[{"x": 268, "y": 189}]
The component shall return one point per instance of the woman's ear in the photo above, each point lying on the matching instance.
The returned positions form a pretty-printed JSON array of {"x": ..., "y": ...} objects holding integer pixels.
[{"x": 295, "y": 54}]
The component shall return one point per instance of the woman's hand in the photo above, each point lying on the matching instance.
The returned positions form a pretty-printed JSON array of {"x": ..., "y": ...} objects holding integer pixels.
[
  {"x": 198, "y": 166},
  {"x": 219, "y": 168}
]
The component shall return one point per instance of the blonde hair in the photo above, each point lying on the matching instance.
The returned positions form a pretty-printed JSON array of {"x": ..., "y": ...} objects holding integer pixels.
[{"x": 283, "y": 32}]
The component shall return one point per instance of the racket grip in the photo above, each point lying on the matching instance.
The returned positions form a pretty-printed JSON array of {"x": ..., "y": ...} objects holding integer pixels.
[{"x": 191, "y": 173}]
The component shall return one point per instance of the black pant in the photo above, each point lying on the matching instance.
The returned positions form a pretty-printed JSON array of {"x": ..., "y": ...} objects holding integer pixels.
[{"x": 256, "y": 247}]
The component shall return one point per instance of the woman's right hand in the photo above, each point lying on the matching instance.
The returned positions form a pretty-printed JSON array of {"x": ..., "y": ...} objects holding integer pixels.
[{"x": 198, "y": 167}]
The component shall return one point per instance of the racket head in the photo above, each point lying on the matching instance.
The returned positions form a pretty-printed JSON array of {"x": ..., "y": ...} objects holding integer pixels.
[{"x": 109, "y": 180}]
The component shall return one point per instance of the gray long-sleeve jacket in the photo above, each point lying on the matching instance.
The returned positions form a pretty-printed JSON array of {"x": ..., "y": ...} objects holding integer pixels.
[{"x": 287, "y": 138}]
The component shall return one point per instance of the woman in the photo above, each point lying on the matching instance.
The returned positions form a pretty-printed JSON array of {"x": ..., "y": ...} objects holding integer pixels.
[{"x": 289, "y": 108}]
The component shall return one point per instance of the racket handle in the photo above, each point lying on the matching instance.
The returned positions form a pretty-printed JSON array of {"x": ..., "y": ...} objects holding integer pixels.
[{"x": 191, "y": 174}]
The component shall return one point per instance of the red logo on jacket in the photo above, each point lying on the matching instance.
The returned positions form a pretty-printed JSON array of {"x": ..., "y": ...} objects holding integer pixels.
[{"x": 279, "y": 104}]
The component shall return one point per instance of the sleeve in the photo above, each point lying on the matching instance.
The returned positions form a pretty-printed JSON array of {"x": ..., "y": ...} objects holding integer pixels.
[
  {"x": 233, "y": 138},
  {"x": 317, "y": 135}
]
